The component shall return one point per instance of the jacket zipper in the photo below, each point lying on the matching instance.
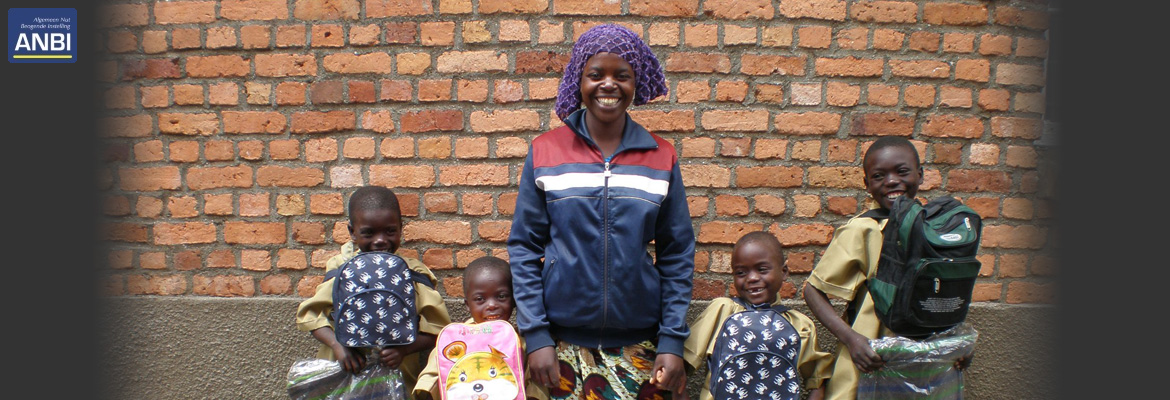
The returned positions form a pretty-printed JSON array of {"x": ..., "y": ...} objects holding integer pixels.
[{"x": 605, "y": 252}]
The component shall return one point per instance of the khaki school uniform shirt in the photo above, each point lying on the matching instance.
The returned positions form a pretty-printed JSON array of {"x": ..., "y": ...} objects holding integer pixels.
[
  {"x": 313, "y": 312},
  {"x": 850, "y": 260},
  {"x": 812, "y": 363},
  {"x": 428, "y": 380}
]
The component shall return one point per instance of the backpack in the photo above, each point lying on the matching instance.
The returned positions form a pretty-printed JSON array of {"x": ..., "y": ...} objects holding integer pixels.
[
  {"x": 480, "y": 361},
  {"x": 373, "y": 300},
  {"x": 755, "y": 356},
  {"x": 927, "y": 269}
]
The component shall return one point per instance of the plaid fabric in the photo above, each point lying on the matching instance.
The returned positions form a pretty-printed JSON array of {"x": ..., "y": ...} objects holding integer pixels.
[
  {"x": 607, "y": 373},
  {"x": 649, "y": 80}
]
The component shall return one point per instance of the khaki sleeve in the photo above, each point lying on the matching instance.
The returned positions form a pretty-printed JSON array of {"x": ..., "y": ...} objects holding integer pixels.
[
  {"x": 313, "y": 312},
  {"x": 428, "y": 379},
  {"x": 813, "y": 364},
  {"x": 698, "y": 345},
  {"x": 432, "y": 312},
  {"x": 847, "y": 261}
]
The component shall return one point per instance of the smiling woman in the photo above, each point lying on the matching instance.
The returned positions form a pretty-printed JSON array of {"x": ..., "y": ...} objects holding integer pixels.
[{"x": 601, "y": 316}]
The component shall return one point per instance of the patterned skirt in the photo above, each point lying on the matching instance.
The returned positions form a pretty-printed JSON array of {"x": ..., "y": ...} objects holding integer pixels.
[{"x": 607, "y": 373}]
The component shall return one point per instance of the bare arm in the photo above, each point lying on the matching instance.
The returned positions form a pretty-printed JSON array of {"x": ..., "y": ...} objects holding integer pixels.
[
  {"x": 349, "y": 360},
  {"x": 864, "y": 358}
]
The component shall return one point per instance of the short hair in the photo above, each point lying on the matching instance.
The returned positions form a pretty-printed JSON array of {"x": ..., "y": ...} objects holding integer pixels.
[
  {"x": 373, "y": 198},
  {"x": 890, "y": 141},
  {"x": 765, "y": 239},
  {"x": 484, "y": 264}
]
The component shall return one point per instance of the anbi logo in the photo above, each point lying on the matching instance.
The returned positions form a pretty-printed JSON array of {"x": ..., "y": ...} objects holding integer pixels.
[{"x": 42, "y": 35}]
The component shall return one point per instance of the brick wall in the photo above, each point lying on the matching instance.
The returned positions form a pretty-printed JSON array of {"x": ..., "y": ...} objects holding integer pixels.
[{"x": 234, "y": 130}]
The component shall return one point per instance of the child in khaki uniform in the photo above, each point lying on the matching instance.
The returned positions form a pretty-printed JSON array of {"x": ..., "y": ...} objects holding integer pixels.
[
  {"x": 759, "y": 271},
  {"x": 487, "y": 291},
  {"x": 375, "y": 224},
  {"x": 892, "y": 169}
]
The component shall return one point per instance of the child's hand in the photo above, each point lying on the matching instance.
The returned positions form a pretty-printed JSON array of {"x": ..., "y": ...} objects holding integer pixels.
[
  {"x": 964, "y": 362},
  {"x": 864, "y": 358},
  {"x": 543, "y": 367},
  {"x": 392, "y": 356},
  {"x": 351, "y": 361},
  {"x": 668, "y": 373}
]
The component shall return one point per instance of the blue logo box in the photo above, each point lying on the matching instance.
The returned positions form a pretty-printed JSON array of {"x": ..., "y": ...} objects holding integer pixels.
[{"x": 42, "y": 35}]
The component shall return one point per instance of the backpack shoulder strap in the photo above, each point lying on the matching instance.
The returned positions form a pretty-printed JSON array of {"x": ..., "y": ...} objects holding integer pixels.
[
  {"x": 877, "y": 213},
  {"x": 420, "y": 278}
]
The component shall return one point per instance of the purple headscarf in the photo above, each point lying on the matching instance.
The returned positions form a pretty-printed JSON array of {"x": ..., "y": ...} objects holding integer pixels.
[{"x": 619, "y": 40}]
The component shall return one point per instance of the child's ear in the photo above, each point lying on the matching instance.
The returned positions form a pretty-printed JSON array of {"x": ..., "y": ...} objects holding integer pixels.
[{"x": 349, "y": 227}]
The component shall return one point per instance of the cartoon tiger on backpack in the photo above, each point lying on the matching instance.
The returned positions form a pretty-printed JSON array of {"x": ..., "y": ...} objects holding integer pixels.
[{"x": 481, "y": 375}]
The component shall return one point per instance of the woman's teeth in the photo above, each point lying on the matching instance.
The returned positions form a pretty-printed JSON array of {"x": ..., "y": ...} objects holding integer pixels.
[{"x": 608, "y": 101}]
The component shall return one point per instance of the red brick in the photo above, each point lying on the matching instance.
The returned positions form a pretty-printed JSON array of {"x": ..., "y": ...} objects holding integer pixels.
[
  {"x": 494, "y": 231},
  {"x": 835, "y": 177},
  {"x": 270, "y": 175},
  {"x": 973, "y": 70},
  {"x": 218, "y": 150},
  {"x": 285, "y": 65},
  {"x": 815, "y": 37},
  {"x": 994, "y": 99},
  {"x": 1013, "y": 127},
  {"x": 1017, "y": 74},
  {"x": 920, "y": 68},
  {"x": 401, "y": 32},
  {"x": 434, "y": 147},
  {"x": 882, "y": 124},
  {"x": 148, "y": 151},
  {"x": 252, "y": 10},
  {"x": 350, "y": 63},
  {"x": 887, "y": 39},
  {"x": 735, "y": 146},
  {"x": 803, "y": 234},
  {"x": 431, "y": 120},
  {"x": 959, "y": 126},
  {"x": 806, "y": 150},
  {"x": 984, "y": 154},
  {"x": 457, "y": 62},
  {"x": 946, "y": 153},
  {"x": 1029, "y": 47},
  {"x": 182, "y": 207},
  {"x": 442, "y": 232},
  {"x": 833, "y": 10},
  {"x": 698, "y": 147},
  {"x": 739, "y": 9},
  {"x": 184, "y": 233},
  {"x": 986, "y": 207},
  {"x": 965, "y": 180},
  {"x": 397, "y": 8},
  {"x": 881, "y": 95},
  {"x": 253, "y": 122},
  {"x": 402, "y": 176},
  {"x": 162, "y": 285},
  {"x": 328, "y": 35},
  {"x": 474, "y": 175},
  {"x": 1021, "y": 156},
  {"x": 1029, "y": 292},
  {"x": 885, "y": 11},
  {"x": 698, "y": 62},
  {"x": 769, "y": 205},
  {"x": 471, "y": 148},
  {"x": 724, "y": 232},
  {"x": 326, "y": 92},
  {"x": 238, "y": 232},
  {"x": 805, "y": 94},
  {"x": 742, "y": 121},
  {"x": 318, "y": 150},
  {"x": 958, "y": 42},
  {"x": 924, "y": 41},
  {"x": 223, "y": 286},
  {"x": 218, "y": 66},
  {"x": 771, "y": 176},
  {"x": 954, "y": 14},
  {"x": 842, "y": 94},
  {"x": 289, "y": 205},
  {"x": 153, "y": 68},
  {"x": 201, "y": 178},
  {"x": 507, "y": 91},
  {"x": 761, "y": 64},
  {"x": 126, "y": 232},
  {"x": 184, "y": 12},
  {"x": 540, "y": 62},
  {"x": 737, "y": 35},
  {"x": 701, "y": 35},
  {"x": 256, "y": 260},
  {"x": 848, "y": 66},
  {"x": 809, "y": 123},
  {"x": 585, "y": 7},
  {"x": 434, "y": 90},
  {"x": 995, "y": 45},
  {"x": 330, "y": 10},
  {"x": 1011, "y": 16},
  {"x": 950, "y": 96},
  {"x": 842, "y": 205},
  {"x": 987, "y": 292},
  {"x": 853, "y": 39},
  {"x": 221, "y": 37},
  {"x": 705, "y": 175},
  {"x": 504, "y": 121},
  {"x": 842, "y": 150},
  {"x": 806, "y": 205},
  {"x": 665, "y": 121},
  {"x": 665, "y": 8},
  {"x": 320, "y": 122},
  {"x": 111, "y": 15},
  {"x": 776, "y": 36},
  {"x": 693, "y": 91},
  {"x": 149, "y": 179},
  {"x": 437, "y": 33},
  {"x": 183, "y": 39}
]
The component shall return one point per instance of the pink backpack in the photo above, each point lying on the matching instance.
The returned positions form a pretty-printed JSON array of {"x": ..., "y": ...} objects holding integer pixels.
[{"x": 480, "y": 362}]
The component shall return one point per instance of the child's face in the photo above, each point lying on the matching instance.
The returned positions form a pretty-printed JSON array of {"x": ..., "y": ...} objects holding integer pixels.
[
  {"x": 489, "y": 296},
  {"x": 607, "y": 86},
  {"x": 892, "y": 172},
  {"x": 376, "y": 230},
  {"x": 759, "y": 273}
]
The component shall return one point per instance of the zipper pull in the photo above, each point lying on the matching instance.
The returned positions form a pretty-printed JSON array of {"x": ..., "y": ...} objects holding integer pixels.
[
  {"x": 967, "y": 220},
  {"x": 936, "y": 285},
  {"x": 607, "y": 173}
]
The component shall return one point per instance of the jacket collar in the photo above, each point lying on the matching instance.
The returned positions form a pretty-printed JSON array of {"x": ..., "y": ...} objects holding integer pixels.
[{"x": 634, "y": 136}]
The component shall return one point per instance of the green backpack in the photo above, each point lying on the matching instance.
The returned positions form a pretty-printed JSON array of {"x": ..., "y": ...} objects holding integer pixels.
[{"x": 927, "y": 270}]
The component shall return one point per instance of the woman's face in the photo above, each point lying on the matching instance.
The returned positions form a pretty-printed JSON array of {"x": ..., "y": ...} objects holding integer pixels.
[{"x": 607, "y": 86}]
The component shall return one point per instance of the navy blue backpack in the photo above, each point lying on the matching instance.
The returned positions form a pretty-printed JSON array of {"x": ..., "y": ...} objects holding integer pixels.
[
  {"x": 373, "y": 300},
  {"x": 755, "y": 356}
]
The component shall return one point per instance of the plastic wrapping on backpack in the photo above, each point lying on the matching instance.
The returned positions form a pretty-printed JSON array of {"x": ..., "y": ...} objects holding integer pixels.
[
  {"x": 919, "y": 369},
  {"x": 318, "y": 379}
]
